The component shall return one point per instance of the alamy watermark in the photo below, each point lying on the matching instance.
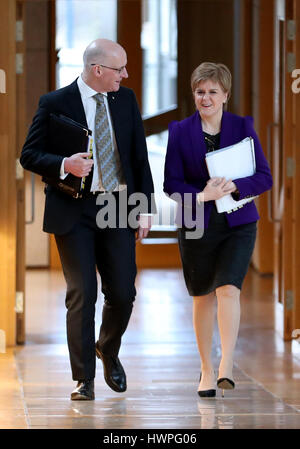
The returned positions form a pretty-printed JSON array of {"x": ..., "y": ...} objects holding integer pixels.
[
  {"x": 124, "y": 210},
  {"x": 2, "y": 82},
  {"x": 296, "y": 83}
]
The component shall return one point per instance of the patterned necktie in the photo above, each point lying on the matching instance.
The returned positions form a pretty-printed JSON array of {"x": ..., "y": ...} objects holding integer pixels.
[{"x": 108, "y": 163}]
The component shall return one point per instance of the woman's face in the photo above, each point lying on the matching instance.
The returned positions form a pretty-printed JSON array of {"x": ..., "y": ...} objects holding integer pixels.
[{"x": 209, "y": 98}]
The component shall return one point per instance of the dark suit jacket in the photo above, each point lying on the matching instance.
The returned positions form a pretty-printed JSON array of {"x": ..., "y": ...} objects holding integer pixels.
[
  {"x": 186, "y": 170},
  {"x": 38, "y": 155}
]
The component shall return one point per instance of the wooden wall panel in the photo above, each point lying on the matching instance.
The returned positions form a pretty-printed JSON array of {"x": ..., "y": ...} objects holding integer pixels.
[
  {"x": 289, "y": 184},
  {"x": 296, "y": 187},
  {"x": 21, "y": 131},
  {"x": 37, "y": 55},
  {"x": 129, "y": 36},
  {"x": 205, "y": 33},
  {"x": 243, "y": 57},
  {"x": 262, "y": 107},
  {"x": 157, "y": 255},
  {"x": 7, "y": 173}
]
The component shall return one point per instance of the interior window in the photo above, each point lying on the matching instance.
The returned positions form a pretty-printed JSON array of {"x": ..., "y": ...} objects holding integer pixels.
[
  {"x": 78, "y": 22},
  {"x": 159, "y": 44}
]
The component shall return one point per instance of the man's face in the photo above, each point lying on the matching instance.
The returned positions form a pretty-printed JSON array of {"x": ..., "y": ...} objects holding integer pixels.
[{"x": 113, "y": 70}]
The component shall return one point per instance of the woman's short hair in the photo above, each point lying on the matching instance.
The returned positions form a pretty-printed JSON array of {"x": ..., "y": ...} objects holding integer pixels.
[{"x": 214, "y": 72}]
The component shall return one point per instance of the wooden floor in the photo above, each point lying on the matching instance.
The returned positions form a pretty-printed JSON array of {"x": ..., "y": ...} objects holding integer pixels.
[{"x": 160, "y": 357}]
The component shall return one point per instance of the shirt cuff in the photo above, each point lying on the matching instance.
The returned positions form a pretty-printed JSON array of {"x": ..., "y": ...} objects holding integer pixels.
[
  {"x": 200, "y": 197},
  {"x": 62, "y": 173}
]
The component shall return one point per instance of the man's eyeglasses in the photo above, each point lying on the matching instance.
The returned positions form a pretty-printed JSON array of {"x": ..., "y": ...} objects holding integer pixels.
[{"x": 120, "y": 70}]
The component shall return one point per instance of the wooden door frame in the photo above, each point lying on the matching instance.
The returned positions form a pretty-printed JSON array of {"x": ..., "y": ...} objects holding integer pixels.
[
  {"x": 262, "y": 112},
  {"x": 8, "y": 231},
  {"x": 277, "y": 155},
  {"x": 129, "y": 24},
  {"x": 54, "y": 260},
  {"x": 296, "y": 189},
  {"x": 21, "y": 131},
  {"x": 285, "y": 203},
  {"x": 288, "y": 180},
  {"x": 156, "y": 253}
]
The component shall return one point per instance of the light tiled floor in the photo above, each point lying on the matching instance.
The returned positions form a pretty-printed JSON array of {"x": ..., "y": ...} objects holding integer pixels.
[
  {"x": 160, "y": 357},
  {"x": 12, "y": 404}
]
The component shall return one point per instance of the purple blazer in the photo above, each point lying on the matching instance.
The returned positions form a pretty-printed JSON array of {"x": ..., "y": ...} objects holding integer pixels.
[{"x": 186, "y": 171}]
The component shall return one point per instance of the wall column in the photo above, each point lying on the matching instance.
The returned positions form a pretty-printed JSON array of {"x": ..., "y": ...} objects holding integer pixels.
[
  {"x": 262, "y": 107},
  {"x": 7, "y": 173}
]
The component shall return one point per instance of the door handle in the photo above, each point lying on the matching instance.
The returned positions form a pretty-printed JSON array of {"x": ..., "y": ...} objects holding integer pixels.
[
  {"x": 270, "y": 128},
  {"x": 32, "y": 215}
]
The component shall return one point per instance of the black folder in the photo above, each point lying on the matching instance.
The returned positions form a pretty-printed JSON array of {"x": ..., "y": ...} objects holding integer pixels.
[{"x": 68, "y": 137}]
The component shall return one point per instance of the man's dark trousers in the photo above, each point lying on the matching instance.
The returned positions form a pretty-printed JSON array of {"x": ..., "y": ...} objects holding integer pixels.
[{"x": 112, "y": 252}]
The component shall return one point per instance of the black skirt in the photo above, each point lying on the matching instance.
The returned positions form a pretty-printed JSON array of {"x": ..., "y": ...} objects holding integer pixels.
[{"x": 220, "y": 257}]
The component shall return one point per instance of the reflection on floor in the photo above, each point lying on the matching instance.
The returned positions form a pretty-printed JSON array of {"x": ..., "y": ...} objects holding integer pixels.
[{"x": 160, "y": 357}]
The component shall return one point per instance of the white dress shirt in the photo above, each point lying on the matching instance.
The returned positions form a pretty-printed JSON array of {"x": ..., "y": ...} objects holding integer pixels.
[{"x": 89, "y": 105}]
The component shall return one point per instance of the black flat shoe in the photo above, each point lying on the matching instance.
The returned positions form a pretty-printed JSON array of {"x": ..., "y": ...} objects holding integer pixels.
[
  {"x": 114, "y": 373},
  {"x": 84, "y": 391},
  {"x": 206, "y": 393},
  {"x": 225, "y": 384}
]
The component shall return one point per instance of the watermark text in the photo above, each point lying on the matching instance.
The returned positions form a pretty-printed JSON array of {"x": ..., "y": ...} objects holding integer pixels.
[
  {"x": 296, "y": 83},
  {"x": 125, "y": 210}
]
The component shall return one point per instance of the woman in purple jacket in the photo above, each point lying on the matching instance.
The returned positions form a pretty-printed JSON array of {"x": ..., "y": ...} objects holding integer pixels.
[{"x": 216, "y": 263}]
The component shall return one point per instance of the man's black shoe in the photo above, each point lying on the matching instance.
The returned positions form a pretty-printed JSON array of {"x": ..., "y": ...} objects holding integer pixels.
[
  {"x": 84, "y": 391},
  {"x": 114, "y": 373}
]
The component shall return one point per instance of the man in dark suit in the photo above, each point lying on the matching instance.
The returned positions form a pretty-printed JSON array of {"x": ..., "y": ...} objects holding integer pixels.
[{"x": 120, "y": 164}]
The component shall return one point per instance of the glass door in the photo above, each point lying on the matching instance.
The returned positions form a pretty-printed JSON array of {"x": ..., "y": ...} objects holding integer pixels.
[{"x": 159, "y": 107}]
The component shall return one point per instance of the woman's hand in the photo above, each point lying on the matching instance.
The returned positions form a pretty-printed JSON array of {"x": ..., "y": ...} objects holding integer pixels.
[{"x": 216, "y": 188}]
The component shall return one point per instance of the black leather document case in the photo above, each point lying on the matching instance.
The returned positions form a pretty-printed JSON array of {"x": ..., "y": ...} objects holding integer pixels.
[{"x": 68, "y": 137}]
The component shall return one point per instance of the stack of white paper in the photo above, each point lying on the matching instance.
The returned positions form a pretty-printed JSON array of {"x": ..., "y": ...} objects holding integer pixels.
[{"x": 233, "y": 162}]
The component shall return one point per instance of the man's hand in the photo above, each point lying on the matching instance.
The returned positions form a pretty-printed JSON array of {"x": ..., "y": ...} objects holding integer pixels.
[
  {"x": 79, "y": 164},
  {"x": 145, "y": 223}
]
